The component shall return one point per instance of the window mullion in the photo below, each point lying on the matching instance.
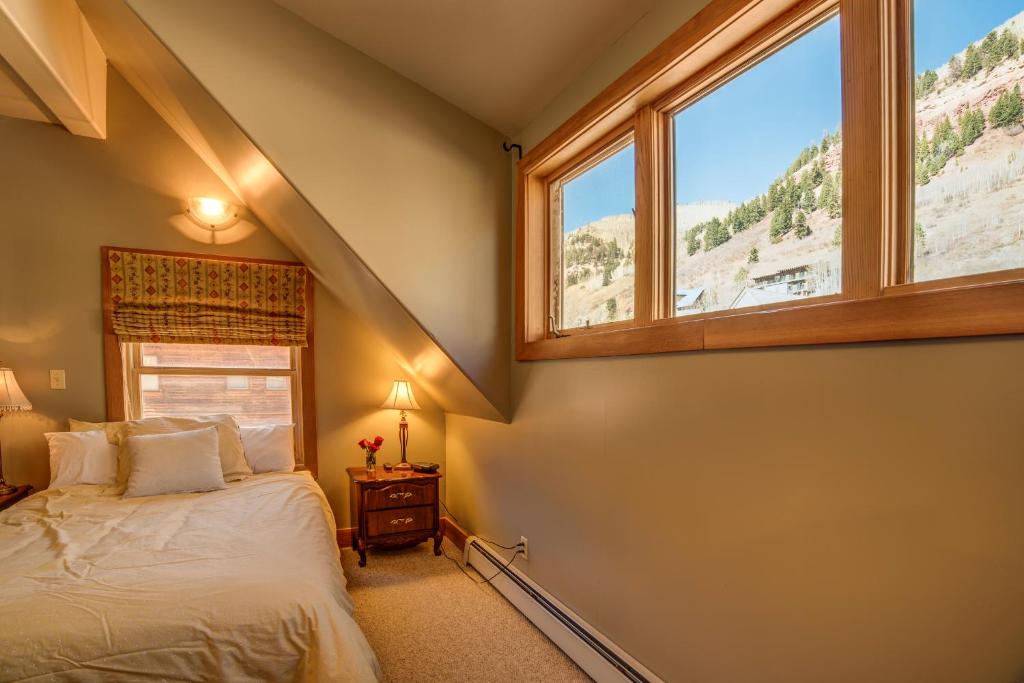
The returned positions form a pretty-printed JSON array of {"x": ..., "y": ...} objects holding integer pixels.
[
  {"x": 647, "y": 294},
  {"x": 867, "y": 144}
]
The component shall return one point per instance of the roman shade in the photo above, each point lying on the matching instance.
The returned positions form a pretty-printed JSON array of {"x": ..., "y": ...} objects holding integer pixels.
[{"x": 186, "y": 299}]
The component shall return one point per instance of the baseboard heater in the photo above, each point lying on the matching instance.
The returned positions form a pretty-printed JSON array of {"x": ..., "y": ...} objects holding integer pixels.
[{"x": 593, "y": 652}]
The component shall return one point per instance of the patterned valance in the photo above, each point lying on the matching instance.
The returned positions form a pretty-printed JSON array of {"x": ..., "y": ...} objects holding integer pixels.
[{"x": 183, "y": 299}]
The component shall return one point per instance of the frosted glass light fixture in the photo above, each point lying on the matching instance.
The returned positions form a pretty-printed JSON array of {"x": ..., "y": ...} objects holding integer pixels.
[{"x": 211, "y": 213}]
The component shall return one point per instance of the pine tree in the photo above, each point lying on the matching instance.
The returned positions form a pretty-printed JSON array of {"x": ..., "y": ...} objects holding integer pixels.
[
  {"x": 607, "y": 279},
  {"x": 943, "y": 133},
  {"x": 837, "y": 236},
  {"x": 613, "y": 309},
  {"x": 972, "y": 125},
  {"x": 990, "y": 53},
  {"x": 782, "y": 221},
  {"x": 825, "y": 196},
  {"x": 919, "y": 238},
  {"x": 835, "y": 206},
  {"x": 800, "y": 227},
  {"x": 972, "y": 63},
  {"x": 817, "y": 173},
  {"x": 754, "y": 256},
  {"x": 1008, "y": 109},
  {"x": 792, "y": 192},
  {"x": 925, "y": 83},
  {"x": 715, "y": 234},
  {"x": 807, "y": 201},
  {"x": 921, "y": 173},
  {"x": 1009, "y": 46},
  {"x": 774, "y": 196},
  {"x": 955, "y": 69}
]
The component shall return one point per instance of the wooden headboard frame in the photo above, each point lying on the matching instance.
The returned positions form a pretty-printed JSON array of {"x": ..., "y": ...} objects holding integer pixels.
[{"x": 113, "y": 367}]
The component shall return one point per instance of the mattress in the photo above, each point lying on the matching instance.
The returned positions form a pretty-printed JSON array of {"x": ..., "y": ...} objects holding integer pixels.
[{"x": 242, "y": 584}]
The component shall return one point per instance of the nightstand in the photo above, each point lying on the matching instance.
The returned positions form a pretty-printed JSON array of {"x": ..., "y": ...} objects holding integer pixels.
[
  {"x": 394, "y": 509},
  {"x": 12, "y": 498}
]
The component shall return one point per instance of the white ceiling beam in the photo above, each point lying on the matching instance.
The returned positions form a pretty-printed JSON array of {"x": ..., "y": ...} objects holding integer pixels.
[{"x": 52, "y": 48}]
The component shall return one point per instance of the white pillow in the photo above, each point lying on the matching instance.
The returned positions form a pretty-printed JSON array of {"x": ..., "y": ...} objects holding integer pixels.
[
  {"x": 181, "y": 462},
  {"x": 232, "y": 455},
  {"x": 81, "y": 458},
  {"x": 270, "y": 449}
]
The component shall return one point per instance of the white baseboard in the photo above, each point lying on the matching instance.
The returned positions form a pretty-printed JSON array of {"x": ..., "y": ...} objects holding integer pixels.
[{"x": 603, "y": 660}]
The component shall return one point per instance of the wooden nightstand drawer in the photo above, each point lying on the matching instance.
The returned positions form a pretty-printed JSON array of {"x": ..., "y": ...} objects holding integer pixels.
[
  {"x": 394, "y": 509},
  {"x": 401, "y": 495},
  {"x": 382, "y": 522}
]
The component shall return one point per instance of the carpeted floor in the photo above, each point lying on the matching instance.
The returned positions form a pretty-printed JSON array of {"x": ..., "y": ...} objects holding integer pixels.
[{"x": 427, "y": 621}]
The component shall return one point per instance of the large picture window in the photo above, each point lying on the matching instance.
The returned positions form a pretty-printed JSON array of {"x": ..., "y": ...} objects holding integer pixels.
[
  {"x": 758, "y": 183},
  {"x": 968, "y": 142},
  {"x": 804, "y": 171}
]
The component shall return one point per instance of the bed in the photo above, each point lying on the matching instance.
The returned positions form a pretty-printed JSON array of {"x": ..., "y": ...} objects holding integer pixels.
[{"x": 241, "y": 584}]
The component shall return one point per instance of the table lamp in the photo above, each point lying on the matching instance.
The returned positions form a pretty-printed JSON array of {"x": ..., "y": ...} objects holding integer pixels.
[
  {"x": 401, "y": 398},
  {"x": 12, "y": 399}
]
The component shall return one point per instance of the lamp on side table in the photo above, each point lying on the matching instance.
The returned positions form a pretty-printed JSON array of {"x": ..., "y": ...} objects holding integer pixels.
[
  {"x": 401, "y": 398},
  {"x": 12, "y": 399}
]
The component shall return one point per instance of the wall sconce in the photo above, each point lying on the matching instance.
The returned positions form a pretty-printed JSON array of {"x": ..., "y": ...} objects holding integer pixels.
[{"x": 212, "y": 214}]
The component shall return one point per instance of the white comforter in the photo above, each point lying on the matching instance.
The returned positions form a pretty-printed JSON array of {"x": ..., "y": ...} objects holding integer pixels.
[{"x": 236, "y": 585}]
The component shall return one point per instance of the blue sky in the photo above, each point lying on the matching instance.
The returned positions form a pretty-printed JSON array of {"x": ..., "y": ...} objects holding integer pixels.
[
  {"x": 944, "y": 27},
  {"x": 605, "y": 190},
  {"x": 734, "y": 142}
]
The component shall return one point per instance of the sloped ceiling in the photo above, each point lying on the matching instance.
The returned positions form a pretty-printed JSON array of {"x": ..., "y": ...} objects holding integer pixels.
[
  {"x": 16, "y": 99},
  {"x": 51, "y": 66},
  {"x": 500, "y": 60},
  {"x": 380, "y": 187}
]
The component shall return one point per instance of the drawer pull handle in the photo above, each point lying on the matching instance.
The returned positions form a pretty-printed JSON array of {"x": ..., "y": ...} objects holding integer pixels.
[
  {"x": 406, "y": 494},
  {"x": 407, "y": 520}
]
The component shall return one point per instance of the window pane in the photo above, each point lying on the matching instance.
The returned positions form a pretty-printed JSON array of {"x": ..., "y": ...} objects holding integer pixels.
[
  {"x": 215, "y": 356},
  {"x": 758, "y": 182},
  {"x": 256, "y": 403},
  {"x": 968, "y": 161},
  {"x": 597, "y": 242}
]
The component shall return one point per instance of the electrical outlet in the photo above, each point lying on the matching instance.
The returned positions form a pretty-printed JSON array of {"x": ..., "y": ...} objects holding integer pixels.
[
  {"x": 525, "y": 546},
  {"x": 58, "y": 379}
]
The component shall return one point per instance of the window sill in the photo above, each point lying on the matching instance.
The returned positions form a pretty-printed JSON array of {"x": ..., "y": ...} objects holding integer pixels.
[{"x": 966, "y": 311}]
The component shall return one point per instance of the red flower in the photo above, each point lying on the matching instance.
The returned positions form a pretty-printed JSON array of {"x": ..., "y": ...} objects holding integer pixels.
[
  {"x": 362, "y": 443},
  {"x": 378, "y": 441}
]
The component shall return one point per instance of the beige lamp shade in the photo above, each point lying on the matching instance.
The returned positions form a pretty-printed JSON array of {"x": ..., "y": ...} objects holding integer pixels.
[
  {"x": 401, "y": 397},
  {"x": 12, "y": 398}
]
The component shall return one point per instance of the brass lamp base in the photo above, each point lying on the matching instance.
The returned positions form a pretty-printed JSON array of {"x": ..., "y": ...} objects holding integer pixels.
[
  {"x": 403, "y": 440},
  {"x": 6, "y": 489}
]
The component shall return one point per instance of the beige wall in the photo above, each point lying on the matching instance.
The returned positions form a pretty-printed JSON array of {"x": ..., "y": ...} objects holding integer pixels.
[
  {"x": 63, "y": 197},
  {"x": 848, "y": 513}
]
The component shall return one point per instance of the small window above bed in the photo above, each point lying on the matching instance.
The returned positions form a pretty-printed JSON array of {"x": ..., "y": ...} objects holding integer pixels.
[
  {"x": 187, "y": 335},
  {"x": 257, "y": 385}
]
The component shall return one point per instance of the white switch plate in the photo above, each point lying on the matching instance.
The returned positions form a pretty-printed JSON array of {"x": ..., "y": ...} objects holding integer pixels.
[{"x": 58, "y": 379}]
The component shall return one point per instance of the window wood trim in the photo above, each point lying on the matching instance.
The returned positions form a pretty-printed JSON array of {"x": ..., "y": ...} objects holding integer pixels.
[
  {"x": 303, "y": 396},
  {"x": 878, "y": 300}
]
